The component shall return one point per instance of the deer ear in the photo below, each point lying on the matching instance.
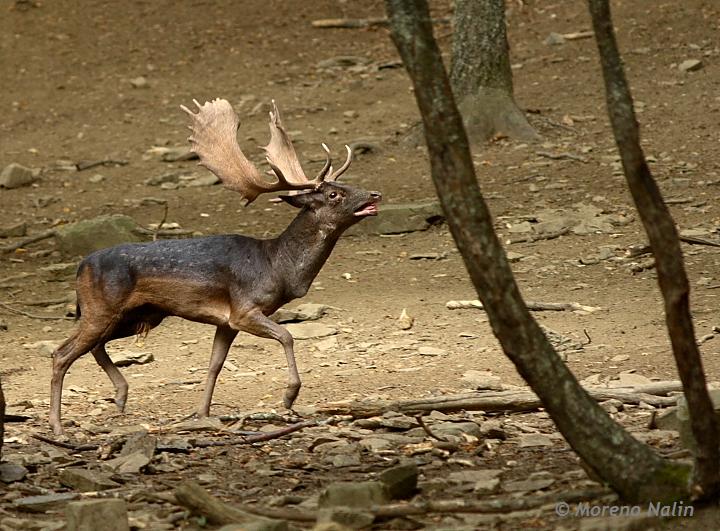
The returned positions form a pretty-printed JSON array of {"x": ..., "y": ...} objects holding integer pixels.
[{"x": 299, "y": 200}]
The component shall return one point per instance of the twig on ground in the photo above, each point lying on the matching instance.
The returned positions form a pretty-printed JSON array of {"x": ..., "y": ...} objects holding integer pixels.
[
  {"x": 27, "y": 241},
  {"x": 694, "y": 240},
  {"x": 66, "y": 445},
  {"x": 34, "y": 316},
  {"x": 359, "y": 23},
  {"x": 191, "y": 495},
  {"x": 427, "y": 430},
  {"x": 162, "y": 222},
  {"x": 531, "y": 305},
  {"x": 258, "y": 438},
  {"x": 530, "y": 238},
  {"x": 560, "y": 156}
]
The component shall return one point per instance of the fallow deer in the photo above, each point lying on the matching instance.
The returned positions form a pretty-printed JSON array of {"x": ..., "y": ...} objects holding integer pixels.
[{"x": 230, "y": 281}]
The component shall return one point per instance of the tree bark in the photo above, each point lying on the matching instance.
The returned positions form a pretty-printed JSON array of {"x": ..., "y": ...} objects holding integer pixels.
[
  {"x": 481, "y": 77},
  {"x": 2, "y": 418},
  {"x": 628, "y": 466},
  {"x": 664, "y": 241}
]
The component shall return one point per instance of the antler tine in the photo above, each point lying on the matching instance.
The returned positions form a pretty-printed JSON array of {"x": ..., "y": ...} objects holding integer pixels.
[
  {"x": 334, "y": 176},
  {"x": 328, "y": 164},
  {"x": 214, "y": 138},
  {"x": 281, "y": 153}
]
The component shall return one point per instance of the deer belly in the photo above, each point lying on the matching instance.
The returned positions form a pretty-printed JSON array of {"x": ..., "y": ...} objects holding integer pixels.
[{"x": 184, "y": 298}]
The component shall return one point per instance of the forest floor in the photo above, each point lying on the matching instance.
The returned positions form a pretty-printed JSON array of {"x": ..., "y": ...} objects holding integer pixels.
[{"x": 70, "y": 93}]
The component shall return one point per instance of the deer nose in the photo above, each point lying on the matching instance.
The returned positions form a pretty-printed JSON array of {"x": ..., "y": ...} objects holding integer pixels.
[{"x": 377, "y": 196}]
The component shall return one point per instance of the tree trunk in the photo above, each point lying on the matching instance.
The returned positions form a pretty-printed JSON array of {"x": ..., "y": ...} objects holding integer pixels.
[
  {"x": 2, "y": 418},
  {"x": 665, "y": 243},
  {"x": 628, "y": 466},
  {"x": 481, "y": 77}
]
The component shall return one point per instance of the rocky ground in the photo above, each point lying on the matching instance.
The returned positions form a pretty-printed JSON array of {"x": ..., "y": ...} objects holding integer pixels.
[{"x": 90, "y": 105}]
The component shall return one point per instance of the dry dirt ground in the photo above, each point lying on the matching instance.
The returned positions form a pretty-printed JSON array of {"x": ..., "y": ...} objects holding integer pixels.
[{"x": 66, "y": 71}]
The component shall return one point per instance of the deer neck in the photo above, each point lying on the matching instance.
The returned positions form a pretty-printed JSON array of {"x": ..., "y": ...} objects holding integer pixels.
[{"x": 302, "y": 249}]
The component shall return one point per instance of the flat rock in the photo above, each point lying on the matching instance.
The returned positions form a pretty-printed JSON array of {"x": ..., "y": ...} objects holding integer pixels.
[
  {"x": 471, "y": 476},
  {"x": 492, "y": 429},
  {"x": 354, "y": 494},
  {"x": 530, "y": 440},
  {"x": 431, "y": 351},
  {"x": 45, "y": 347},
  {"x": 14, "y": 230},
  {"x": 257, "y": 524},
  {"x": 44, "y": 503},
  {"x": 15, "y": 176},
  {"x": 124, "y": 359},
  {"x": 109, "y": 514},
  {"x": 401, "y": 480},
  {"x": 667, "y": 419},
  {"x": 482, "y": 380},
  {"x": 303, "y": 312},
  {"x": 530, "y": 484},
  {"x": 376, "y": 444},
  {"x": 554, "y": 39},
  {"x": 139, "y": 82},
  {"x": 86, "y": 480},
  {"x": 127, "y": 464},
  {"x": 342, "y": 518},
  {"x": 84, "y": 237},
  {"x": 456, "y": 428},
  {"x": 310, "y": 330},
  {"x": 628, "y": 379},
  {"x": 690, "y": 65},
  {"x": 25, "y": 524},
  {"x": 400, "y": 218},
  {"x": 11, "y": 472}
]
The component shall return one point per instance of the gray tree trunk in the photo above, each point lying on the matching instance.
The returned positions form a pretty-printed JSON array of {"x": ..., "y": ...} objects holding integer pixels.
[
  {"x": 663, "y": 236},
  {"x": 481, "y": 77},
  {"x": 626, "y": 464},
  {"x": 2, "y": 418}
]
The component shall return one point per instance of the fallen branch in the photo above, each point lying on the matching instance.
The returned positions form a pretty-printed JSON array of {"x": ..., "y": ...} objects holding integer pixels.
[
  {"x": 427, "y": 429},
  {"x": 192, "y": 496},
  {"x": 694, "y": 240},
  {"x": 27, "y": 241},
  {"x": 68, "y": 446},
  {"x": 167, "y": 232},
  {"x": 34, "y": 316},
  {"x": 510, "y": 400},
  {"x": 531, "y": 305},
  {"x": 561, "y": 156},
  {"x": 257, "y": 438},
  {"x": 359, "y": 23},
  {"x": 537, "y": 237}
]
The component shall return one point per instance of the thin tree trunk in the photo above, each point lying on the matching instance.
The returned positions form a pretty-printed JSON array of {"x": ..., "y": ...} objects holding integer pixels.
[
  {"x": 627, "y": 465},
  {"x": 481, "y": 77},
  {"x": 2, "y": 418},
  {"x": 665, "y": 243}
]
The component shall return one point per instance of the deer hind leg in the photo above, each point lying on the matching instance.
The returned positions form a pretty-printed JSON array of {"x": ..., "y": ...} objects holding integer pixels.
[
  {"x": 81, "y": 342},
  {"x": 257, "y": 324},
  {"x": 224, "y": 337},
  {"x": 118, "y": 380}
]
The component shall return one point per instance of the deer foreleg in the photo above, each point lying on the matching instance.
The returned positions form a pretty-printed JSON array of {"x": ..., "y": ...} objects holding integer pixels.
[
  {"x": 224, "y": 337},
  {"x": 257, "y": 324}
]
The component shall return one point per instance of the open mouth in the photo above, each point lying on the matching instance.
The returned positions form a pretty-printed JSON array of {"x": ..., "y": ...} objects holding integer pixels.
[{"x": 368, "y": 209}]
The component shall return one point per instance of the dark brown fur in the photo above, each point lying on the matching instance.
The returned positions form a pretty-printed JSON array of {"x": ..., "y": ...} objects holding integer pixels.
[{"x": 231, "y": 282}]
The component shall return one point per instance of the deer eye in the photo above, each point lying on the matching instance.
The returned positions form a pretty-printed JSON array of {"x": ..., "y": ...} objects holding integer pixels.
[{"x": 332, "y": 195}]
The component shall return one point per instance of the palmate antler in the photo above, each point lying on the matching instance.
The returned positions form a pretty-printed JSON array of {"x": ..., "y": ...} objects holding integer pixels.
[{"x": 214, "y": 138}]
